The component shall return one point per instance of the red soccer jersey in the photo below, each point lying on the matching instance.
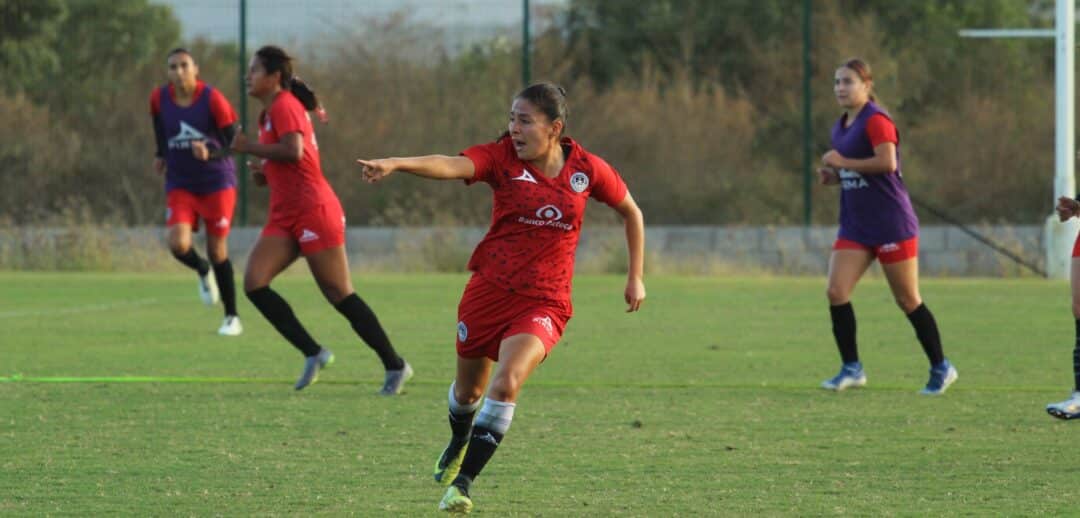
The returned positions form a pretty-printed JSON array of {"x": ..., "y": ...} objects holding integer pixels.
[
  {"x": 294, "y": 186},
  {"x": 536, "y": 220},
  {"x": 219, "y": 106}
]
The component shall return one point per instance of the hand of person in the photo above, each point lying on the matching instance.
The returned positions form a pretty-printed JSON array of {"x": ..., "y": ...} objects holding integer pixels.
[
  {"x": 375, "y": 170},
  {"x": 239, "y": 143},
  {"x": 634, "y": 294},
  {"x": 199, "y": 150},
  {"x": 159, "y": 165},
  {"x": 828, "y": 176},
  {"x": 1067, "y": 208},
  {"x": 832, "y": 159}
]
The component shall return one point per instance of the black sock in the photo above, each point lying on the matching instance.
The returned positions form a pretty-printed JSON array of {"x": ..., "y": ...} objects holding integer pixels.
[
  {"x": 278, "y": 312},
  {"x": 1076, "y": 357},
  {"x": 460, "y": 427},
  {"x": 927, "y": 331},
  {"x": 193, "y": 261},
  {"x": 482, "y": 446},
  {"x": 226, "y": 286},
  {"x": 366, "y": 325},
  {"x": 843, "y": 329}
]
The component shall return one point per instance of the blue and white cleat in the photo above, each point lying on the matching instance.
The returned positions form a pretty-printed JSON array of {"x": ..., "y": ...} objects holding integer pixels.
[
  {"x": 941, "y": 376},
  {"x": 395, "y": 380},
  {"x": 208, "y": 288},
  {"x": 1068, "y": 409},
  {"x": 312, "y": 366},
  {"x": 850, "y": 375}
]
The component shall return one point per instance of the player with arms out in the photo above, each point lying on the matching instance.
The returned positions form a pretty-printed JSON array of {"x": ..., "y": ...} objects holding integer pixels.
[
  {"x": 305, "y": 219},
  {"x": 193, "y": 126},
  {"x": 517, "y": 303},
  {"x": 877, "y": 221}
]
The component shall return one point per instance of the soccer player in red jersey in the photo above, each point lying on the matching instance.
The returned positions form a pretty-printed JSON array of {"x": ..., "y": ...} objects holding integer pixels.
[
  {"x": 305, "y": 219},
  {"x": 193, "y": 126},
  {"x": 517, "y": 302},
  {"x": 1070, "y": 408}
]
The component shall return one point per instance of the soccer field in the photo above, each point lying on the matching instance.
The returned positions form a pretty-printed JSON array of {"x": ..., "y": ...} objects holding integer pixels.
[{"x": 704, "y": 403}]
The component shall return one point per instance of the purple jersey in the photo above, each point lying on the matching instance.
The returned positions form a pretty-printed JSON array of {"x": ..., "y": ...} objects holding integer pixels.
[
  {"x": 874, "y": 208},
  {"x": 183, "y": 125}
]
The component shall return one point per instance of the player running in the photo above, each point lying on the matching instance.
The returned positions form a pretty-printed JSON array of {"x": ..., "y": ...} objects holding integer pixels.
[
  {"x": 193, "y": 125},
  {"x": 1070, "y": 408},
  {"x": 305, "y": 218},
  {"x": 876, "y": 221},
  {"x": 517, "y": 302}
]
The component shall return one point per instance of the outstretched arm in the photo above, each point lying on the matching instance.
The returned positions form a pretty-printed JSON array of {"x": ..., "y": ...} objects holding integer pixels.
[
  {"x": 634, "y": 222},
  {"x": 437, "y": 167}
]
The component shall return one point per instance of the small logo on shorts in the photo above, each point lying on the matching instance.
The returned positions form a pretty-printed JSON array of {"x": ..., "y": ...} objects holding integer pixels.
[
  {"x": 462, "y": 332},
  {"x": 223, "y": 223},
  {"x": 579, "y": 181},
  {"x": 890, "y": 247},
  {"x": 308, "y": 235},
  {"x": 545, "y": 322}
]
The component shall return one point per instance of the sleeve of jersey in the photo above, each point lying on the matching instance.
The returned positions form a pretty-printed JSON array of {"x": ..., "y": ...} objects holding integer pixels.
[
  {"x": 485, "y": 158},
  {"x": 608, "y": 186},
  {"x": 155, "y": 102},
  {"x": 221, "y": 109},
  {"x": 287, "y": 118},
  {"x": 880, "y": 130}
]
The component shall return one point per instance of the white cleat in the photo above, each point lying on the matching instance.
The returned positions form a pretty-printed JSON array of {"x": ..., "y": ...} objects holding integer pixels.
[
  {"x": 1068, "y": 409},
  {"x": 231, "y": 326},
  {"x": 208, "y": 290}
]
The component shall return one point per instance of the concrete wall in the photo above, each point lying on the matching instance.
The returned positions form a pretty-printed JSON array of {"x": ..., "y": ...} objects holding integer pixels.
[
  {"x": 675, "y": 249},
  {"x": 696, "y": 249}
]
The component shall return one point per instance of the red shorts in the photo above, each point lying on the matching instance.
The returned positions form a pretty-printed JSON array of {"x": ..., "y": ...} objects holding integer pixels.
[
  {"x": 487, "y": 314},
  {"x": 1076, "y": 247},
  {"x": 215, "y": 208},
  {"x": 315, "y": 229},
  {"x": 886, "y": 254}
]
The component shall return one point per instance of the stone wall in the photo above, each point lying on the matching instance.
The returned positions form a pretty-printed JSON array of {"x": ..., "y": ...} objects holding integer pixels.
[{"x": 943, "y": 251}]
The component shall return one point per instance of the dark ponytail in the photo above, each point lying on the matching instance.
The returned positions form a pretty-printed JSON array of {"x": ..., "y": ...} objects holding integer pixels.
[{"x": 274, "y": 59}]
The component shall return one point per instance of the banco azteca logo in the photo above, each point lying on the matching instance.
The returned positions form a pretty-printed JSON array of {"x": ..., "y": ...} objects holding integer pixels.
[{"x": 549, "y": 212}]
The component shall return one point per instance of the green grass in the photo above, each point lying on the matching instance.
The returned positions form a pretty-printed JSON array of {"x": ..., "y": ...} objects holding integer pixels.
[{"x": 705, "y": 403}]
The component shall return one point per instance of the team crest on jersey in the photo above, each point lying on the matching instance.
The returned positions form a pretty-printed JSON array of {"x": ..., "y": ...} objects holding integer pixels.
[
  {"x": 579, "y": 181},
  {"x": 462, "y": 332}
]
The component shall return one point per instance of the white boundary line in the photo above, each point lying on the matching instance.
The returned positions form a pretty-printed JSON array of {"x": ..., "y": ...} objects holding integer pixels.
[{"x": 82, "y": 309}]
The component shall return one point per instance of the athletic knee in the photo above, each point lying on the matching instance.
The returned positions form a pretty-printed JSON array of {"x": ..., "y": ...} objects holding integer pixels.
[
  {"x": 179, "y": 246},
  {"x": 1076, "y": 309},
  {"x": 467, "y": 396},
  {"x": 335, "y": 294},
  {"x": 505, "y": 387},
  {"x": 837, "y": 295},
  {"x": 909, "y": 303},
  {"x": 253, "y": 284},
  {"x": 218, "y": 255}
]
